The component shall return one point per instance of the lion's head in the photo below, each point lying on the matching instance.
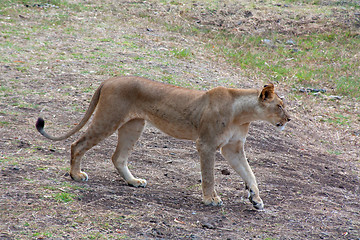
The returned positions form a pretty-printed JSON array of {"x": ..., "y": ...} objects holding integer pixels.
[{"x": 273, "y": 109}]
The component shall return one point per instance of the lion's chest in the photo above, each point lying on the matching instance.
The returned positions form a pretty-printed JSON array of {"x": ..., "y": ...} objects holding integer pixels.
[{"x": 232, "y": 134}]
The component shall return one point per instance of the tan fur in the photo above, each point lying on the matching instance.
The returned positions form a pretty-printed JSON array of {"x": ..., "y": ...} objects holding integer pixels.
[{"x": 215, "y": 119}]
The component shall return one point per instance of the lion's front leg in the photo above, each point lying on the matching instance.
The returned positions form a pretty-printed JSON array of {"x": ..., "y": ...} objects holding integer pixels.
[
  {"x": 207, "y": 158},
  {"x": 235, "y": 155}
]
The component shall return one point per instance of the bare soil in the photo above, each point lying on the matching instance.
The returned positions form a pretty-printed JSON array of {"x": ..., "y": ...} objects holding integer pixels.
[{"x": 308, "y": 174}]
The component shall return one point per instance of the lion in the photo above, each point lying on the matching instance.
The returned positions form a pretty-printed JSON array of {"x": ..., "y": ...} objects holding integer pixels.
[{"x": 217, "y": 119}]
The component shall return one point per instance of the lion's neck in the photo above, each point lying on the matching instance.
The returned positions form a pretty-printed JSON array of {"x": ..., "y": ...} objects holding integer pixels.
[{"x": 246, "y": 108}]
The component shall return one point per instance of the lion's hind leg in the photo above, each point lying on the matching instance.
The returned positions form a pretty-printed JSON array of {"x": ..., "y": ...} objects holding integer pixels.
[
  {"x": 96, "y": 132},
  {"x": 128, "y": 134},
  {"x": 80, "y": 147}
]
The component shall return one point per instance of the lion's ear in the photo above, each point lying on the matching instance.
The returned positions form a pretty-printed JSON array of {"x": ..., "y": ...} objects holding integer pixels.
[{"x": 268, "y": 93}]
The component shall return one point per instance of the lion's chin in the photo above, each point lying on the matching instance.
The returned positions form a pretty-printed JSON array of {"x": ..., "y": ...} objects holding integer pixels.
[{"x": 280, "y": 126}]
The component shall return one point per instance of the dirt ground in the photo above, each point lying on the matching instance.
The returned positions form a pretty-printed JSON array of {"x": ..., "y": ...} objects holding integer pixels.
[{"x": 308, "y": 174}]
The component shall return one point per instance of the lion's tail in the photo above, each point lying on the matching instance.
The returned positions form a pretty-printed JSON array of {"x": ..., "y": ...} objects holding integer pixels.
[{"x": 94, "y": 101}]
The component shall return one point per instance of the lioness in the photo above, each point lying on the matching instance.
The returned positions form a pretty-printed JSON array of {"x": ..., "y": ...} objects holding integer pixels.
[{"x": 215, "y": 119}]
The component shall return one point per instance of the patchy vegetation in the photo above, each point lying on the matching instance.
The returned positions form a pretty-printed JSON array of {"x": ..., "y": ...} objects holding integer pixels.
[{"x": 53, "y": 55}]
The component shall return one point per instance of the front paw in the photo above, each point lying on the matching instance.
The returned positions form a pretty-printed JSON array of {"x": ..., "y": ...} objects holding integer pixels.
[
  {"x": 213, "y": 201},
  {"x": 256, "y": 201},
  {"x": 257, "y": 204},
  {"x": 138, "y": 182}
]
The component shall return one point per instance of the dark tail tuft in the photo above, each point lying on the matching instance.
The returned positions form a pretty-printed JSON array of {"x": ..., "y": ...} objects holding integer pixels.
[{"x": 40, "y": 124}]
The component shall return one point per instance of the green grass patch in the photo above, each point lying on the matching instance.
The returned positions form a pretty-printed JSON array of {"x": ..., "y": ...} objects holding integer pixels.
[
  {"x": 334, "y": 152},
  {"x": 339, "y": 119},
  {"x": 182, "y": 53},
  {"x": 348, "y": 85},
  {"x": 25, "y": 105},
  {"x": 64, "y": 197},
  {"x": 312, "y": 60},
  {"x": 4, "y": 123},
  {"x": 43, "y": 4},
  {"x": 341, "y": 3},
  {"x": 5, "y": 91}
]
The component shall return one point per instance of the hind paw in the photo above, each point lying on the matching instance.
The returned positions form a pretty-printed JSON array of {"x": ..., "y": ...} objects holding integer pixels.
[
  {"x": 213, "y": 201},
  {"x": 81, "y": 176}
]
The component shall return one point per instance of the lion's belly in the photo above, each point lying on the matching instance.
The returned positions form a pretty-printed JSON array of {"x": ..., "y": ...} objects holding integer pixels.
[{"x": 174, "y": 128}]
